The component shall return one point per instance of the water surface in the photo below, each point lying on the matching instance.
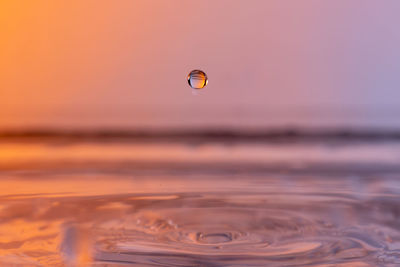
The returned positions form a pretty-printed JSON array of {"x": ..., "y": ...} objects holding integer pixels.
[{"x": 121, "y": 202}]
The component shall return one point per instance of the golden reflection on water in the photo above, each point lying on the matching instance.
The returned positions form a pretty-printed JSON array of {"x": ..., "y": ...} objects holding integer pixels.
[
  {"x": 12, "y": 154},
  {"x": 91, "y": 204}
]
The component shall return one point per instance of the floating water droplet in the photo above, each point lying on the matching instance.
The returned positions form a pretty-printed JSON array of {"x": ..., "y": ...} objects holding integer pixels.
[{"x": 197, "y": 79}]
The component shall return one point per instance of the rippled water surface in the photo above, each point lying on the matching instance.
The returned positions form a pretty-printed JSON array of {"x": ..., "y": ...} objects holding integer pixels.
[{"x": 202, "y": 204}]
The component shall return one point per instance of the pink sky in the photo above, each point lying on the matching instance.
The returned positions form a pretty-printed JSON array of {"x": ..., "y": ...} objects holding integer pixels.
[{"x": 124, "y": 63}]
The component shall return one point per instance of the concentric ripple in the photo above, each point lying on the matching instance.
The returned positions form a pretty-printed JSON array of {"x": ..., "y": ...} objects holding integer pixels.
[
  {"x": 247, "y": 223},
  {"x": 75, "y": 208},
  {"x": 210, "y": 230}
]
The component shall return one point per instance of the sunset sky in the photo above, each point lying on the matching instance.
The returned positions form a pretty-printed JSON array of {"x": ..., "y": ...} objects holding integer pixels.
[{"x": 124, "y": 63}]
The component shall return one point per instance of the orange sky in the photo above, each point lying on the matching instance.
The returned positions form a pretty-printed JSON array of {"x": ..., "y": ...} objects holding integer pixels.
[{"x": 124, "y": 63}]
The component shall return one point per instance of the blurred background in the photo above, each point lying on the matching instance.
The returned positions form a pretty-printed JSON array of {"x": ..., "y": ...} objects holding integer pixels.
[
  {"x": 290, "y": 156},
  {"x": 106, "y": 64}
]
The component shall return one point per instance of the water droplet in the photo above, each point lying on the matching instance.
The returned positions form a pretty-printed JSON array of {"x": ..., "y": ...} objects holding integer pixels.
[{"x": 197, "y": 79}]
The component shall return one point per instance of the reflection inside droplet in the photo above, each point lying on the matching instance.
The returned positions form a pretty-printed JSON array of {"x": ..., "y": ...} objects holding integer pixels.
[{"x": 197, "y": 79}]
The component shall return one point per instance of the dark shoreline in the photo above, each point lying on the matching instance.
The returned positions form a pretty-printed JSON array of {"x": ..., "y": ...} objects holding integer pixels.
[{"x": 208, "y": 135}]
